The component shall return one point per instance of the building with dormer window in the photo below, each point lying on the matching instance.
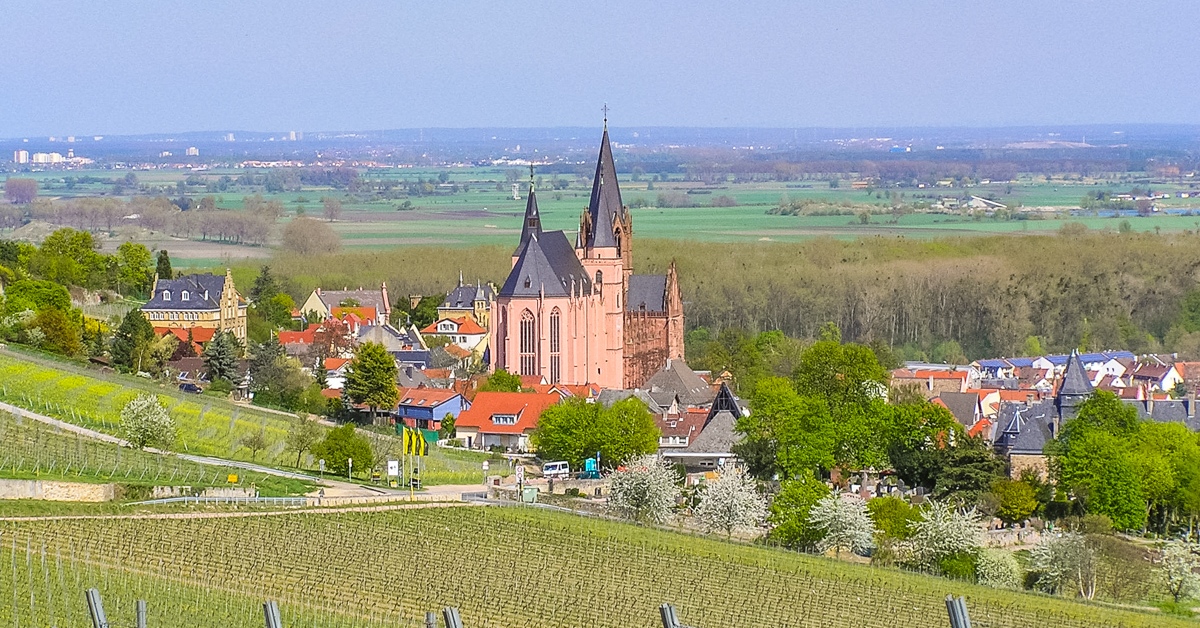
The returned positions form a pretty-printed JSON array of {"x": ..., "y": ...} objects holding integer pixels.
[{"x": 203, "y": 304}]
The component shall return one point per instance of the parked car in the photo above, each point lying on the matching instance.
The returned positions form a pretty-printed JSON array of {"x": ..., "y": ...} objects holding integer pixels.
[
  {"x": 191, "y": 388},
  {"x": 560, "y": 469}
]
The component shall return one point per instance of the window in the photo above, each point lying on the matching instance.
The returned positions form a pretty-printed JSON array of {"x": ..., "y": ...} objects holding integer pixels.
[
  {"x": 599, "y": 278},
  {"x": 529, "y": 342},
  {"x": 502, "y": 341},
  {"x": 504, "y": 419},
  {"x": 166, "y": 295},
  {"x": 185, "y": 296},
  {"x": 555, "y": 374}
]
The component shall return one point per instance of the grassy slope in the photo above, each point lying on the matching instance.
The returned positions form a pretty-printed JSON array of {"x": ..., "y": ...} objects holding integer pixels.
[{"x": 525, "y": 567}]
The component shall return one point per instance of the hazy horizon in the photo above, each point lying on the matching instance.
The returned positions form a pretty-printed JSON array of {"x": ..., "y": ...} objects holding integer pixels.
[{"x": 143, "y": 68}]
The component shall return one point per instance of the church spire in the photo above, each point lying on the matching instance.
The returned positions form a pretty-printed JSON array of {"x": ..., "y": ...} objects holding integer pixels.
[
  {"x": 533, "y": 220},
  {"x": 605, "y": 205}
]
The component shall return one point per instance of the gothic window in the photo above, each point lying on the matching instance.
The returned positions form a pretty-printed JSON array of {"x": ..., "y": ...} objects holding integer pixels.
[
  {"x": 554, "y": 346},
  {"x": 529, "y": 342},
  {"x": 599, "y": 279}
]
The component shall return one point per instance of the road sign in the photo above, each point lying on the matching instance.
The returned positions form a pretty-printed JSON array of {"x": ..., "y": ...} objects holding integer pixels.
[
  {"x": 520, "y": 473},
  {"x": 321, "y": 465},
  {"x": 393, "y": 468},
  {"x": 485, "y": 465},
  {"x": 232, "y": 478}
]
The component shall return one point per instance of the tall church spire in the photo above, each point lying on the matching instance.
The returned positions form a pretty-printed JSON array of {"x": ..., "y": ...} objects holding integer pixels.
[
  {"x": 605, "y": 205},
  {"x": 533, "y": 220}
]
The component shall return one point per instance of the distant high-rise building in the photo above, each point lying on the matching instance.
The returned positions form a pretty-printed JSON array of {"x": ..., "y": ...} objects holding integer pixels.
[
  {"x": 192, "y": 151},
  {"x": 46, "y": 158},
  {"x": 21, "y": 156},
  {"x": 229, "y": 137},
  {"x": 71, "y": 139},
  {"x": 291, "y": 136}
]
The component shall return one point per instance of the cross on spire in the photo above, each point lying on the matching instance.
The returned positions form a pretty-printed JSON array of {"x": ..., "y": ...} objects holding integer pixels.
[
  {"x": 605, "y": 110},
  {"x": 531, "y": 176}
]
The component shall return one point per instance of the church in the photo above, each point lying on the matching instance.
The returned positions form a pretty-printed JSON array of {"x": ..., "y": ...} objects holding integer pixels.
[{"x": 577, "y": 314}]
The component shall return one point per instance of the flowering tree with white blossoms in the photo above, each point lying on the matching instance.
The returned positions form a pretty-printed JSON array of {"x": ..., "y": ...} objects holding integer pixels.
[
  {"x": 845, "y": 522},
  {"x": 145, "y": 422},
  {"x": 645, "y": 491},
  {"x": 1180, "y": 562},
  {"x": 731, "y": 502},
  {"x": 942, "y": 531}
]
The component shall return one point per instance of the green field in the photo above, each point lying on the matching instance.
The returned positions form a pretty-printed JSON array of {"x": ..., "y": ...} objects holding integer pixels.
[
  {"x": 502, "y": 567},
  {"x": 30, "y": 450},
  {"x": 204, "y": 425},
  {"x": 483, "y": 215}
]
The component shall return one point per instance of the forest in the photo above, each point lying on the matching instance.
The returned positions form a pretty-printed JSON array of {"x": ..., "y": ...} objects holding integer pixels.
[{"x": 950, "y": 299}]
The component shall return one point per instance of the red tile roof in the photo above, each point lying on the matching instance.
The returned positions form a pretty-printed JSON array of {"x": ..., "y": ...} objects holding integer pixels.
[
  {"x": 331, "y": 393},
  {"x": 979, "y": 427},
  {"x": 363, "y": 314},
  {"x": 199, "y": 334},
  {"x": 687, "y": 424},
  {"x": 457, "y": 351},
  {"x": 527, "y": 407},
  {"x": 530, "y": 381},
  {"x": 425, "y": 397},
  {"x": 466, "y": 325},
  {"x": 299, "y": 337},
  {"x": 333, "y": 364}
]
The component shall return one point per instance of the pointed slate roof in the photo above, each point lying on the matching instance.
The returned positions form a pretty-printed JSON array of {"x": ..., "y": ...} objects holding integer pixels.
[
  {"x": 546, "y": 261},
  {"x": 605, "y": 204},
  {"x": 724, "y": 402},
  {"x": 646, "y": 292},
  {"x": 676, "y": 378},
  {"x": 533, "y": 220},
  {"x": 1075, "y": 381}
]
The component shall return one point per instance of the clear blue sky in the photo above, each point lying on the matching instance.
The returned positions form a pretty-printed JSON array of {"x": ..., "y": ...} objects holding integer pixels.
[{"x": 131, "y": 67}]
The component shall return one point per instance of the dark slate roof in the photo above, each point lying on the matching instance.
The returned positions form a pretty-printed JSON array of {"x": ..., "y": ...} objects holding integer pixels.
[
  {"x": 1075, "y": 380},
  {"x": 465, "y": 295},
  {"x": 647, "y": 292},
  {"x": 605, "y": 204},
  {"x": 195, "y": 285},
  {"x": 411, "y": 376},
  {"x": 675, "y": 377},
  {"x": 547, "y": 262},
  {"x": 725, "y": 401},
  {"x": 533, "y": 220},
  {"x": 718, "y": 436},
  {"x": 1026, "y": 428},
  {"x": 609, "y": 396},
  {"x": 1165, "y": 411},
  {"x": 962, "y": 406}
]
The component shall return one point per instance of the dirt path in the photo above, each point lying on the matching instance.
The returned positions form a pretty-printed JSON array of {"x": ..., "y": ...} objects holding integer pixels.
[{"x": 333, "y": 488}]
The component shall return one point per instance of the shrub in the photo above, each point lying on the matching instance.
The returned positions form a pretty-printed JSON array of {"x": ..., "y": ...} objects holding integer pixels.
[
  {"x": 998, "y": 568},
  {"x": 958, "y": 566},
  {"x": 145, "y": 422},
  {"x": 893, "y": 516}
]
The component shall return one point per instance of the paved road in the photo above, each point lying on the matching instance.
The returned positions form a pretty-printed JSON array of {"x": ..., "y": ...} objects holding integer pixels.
[{"x": 334, "y": 488}]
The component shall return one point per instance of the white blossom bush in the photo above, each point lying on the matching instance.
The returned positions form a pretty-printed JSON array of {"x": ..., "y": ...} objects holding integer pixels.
[
  {"x": 645, "y": 491},
  {"x": 1065, "y": 563},
  {"x": 731, "y": 502},
  {"x": 1180, "y": 562},
  {"x": 999, "y": 569},
  {"x": 844, "y": 522},
  {"x": 943, "y": 531},
  {"x": 145, "y": 422}
]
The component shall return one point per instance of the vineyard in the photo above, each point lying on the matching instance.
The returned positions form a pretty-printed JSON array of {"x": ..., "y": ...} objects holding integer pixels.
[
  {"x": 502, "y": 567},
  {"x": 33, "y": 450}
]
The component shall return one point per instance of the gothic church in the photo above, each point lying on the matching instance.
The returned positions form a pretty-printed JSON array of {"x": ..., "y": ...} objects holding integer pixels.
[{"x": 578, "y": 315}]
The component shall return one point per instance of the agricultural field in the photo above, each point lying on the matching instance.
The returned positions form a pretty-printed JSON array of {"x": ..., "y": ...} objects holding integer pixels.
[
  {"x": 480, "y": 214},
  {"x": 503, "y": 567},
  {"x": 30, "y": 450}
]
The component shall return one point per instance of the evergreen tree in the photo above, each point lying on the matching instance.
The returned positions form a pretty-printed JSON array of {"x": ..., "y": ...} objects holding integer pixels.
[
  {"x": 164, "y": 265},
  {"x": 132, "y": 336},
  {"x": 371, "y": 378},
  {"x": 265, "y": 286},
  {"x": 221, "y": 355}
]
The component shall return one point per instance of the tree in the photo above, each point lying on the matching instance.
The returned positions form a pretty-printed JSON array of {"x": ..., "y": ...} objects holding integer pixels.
[
  {"x": 20, "y": 191},
  {"x": 308, "y": 237},
  {"x": 332, "y": 207},
  {"x": 59, "y": 333},
  {"x": 645, "y": 491},
  {"x": 1179, "y": 564},
  {"x": 221, "y": 356},
  {"x": 785, "y": 433},
  {"x": 1017, "y": 500},
  {"x": 340, "y": 446},
  {"x": 501, "y": 381},
  {"x": 371, "y": 377},
  {"x": 163, "y": 265},
  {"x": 133, "y": 268},
  {"x": 844, "y": 524},
  {"x": 944, "y": 531},
  {"x": 145, "y": 422},
  {"x": 731, "y": 502},
  {"x": 333, "y": 339},
  {"x": 36, "y": 294},
  {"x": 131, "y": 338},
  {"x": 256, "y": 442},
  {"x": 575, "y": 430},
  {"x": 893, "y": 517},
  {"x": 998, "y": 568},
  {"x": 790, "y": 511},
  {"x": 1065, "y": 562}
]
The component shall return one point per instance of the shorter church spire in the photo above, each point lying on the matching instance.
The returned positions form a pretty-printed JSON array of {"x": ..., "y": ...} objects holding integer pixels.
[{"x": 532, "y": 224}]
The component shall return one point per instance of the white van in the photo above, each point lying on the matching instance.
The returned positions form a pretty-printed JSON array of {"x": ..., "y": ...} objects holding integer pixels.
[{"x": 560, "y": 469}]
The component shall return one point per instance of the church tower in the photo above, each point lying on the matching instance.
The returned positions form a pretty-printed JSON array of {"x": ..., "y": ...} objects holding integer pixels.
[{"x": 604, "y": 247}]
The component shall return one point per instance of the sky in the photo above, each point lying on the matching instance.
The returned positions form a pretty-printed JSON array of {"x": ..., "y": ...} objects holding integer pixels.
[{"x": 119, "y": 67}]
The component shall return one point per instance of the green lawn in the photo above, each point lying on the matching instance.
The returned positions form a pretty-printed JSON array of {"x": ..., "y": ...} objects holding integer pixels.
[{"x": 507, "y": 567}]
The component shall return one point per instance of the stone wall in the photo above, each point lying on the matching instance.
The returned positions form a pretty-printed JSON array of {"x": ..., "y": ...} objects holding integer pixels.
[{"x": 56, "y": 491}]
